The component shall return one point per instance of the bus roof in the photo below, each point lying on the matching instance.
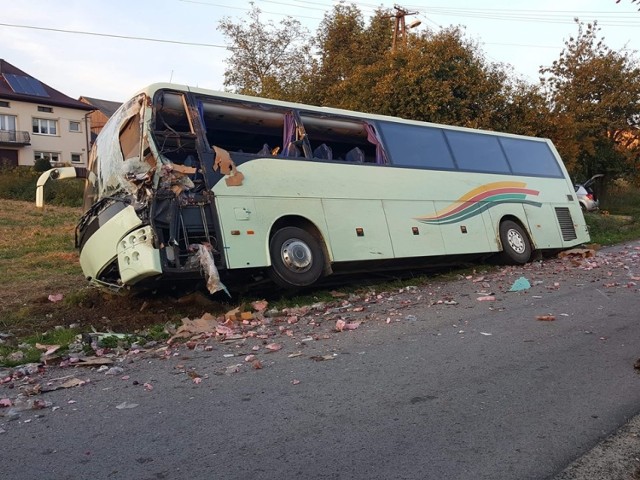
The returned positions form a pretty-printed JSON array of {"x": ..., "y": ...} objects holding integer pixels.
[{"x": 154, "y": 87}]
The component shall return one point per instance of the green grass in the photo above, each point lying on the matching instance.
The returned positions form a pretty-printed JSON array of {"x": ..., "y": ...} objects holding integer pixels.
[
  {"x": 19, "y": 183},
  {"x": 618, "y": 219}
]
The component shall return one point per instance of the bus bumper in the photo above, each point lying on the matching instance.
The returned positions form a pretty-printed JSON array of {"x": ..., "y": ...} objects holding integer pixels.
[{"x": 137, "y": 259}]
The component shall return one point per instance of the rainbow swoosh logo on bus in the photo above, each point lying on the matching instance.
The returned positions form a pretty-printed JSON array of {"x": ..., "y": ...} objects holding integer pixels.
[{"x": 480, "y": 199}]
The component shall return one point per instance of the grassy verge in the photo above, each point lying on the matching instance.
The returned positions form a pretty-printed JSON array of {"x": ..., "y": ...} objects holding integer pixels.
[
  {"x": 618, "y": 219},
  {"x": 20, "y": 184}
]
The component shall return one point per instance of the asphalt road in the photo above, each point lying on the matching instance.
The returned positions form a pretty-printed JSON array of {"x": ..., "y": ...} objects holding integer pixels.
[{"x": 421, "y": 390}]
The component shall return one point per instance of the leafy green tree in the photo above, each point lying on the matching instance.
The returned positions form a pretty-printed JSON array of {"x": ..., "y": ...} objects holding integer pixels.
[
  {"x": 338, "y": 42},
  {"x": 267, "y": 60},
  {"x": 594, "y": 93},
  {"x": 438, "y": 77}
]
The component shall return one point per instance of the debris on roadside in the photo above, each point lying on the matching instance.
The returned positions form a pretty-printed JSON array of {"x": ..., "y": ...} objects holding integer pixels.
[
  {"x": 55, "y": 297},
  {"x": 486, "y": 298},
  {"x": 246, "y": 333},
  {"x": 520, "y": 284}
]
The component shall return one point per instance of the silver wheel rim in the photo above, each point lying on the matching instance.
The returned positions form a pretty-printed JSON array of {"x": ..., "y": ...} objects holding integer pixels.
[
  {"x": 296, "y": 255},
  {"x": 515, "y": 241}
]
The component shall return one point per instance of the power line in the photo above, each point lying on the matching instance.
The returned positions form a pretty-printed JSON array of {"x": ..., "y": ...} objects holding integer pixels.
[
  {"x": 207, "y": 4},
  {"x": 540, "y": 16},
  {"x": 110, "y": 35}
]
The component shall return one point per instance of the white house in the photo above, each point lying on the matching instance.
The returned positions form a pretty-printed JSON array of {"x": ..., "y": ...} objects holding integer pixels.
[{"x": 37, "y": 121}]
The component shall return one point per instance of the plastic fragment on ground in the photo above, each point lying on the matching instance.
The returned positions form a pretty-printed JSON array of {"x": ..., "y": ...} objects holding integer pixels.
[
  {"x": 486, "y": 298},
  {"x": 114, "y": 371},
  {"x": 322, "y": 358},
  {"x": 189, "y": 327},
  {"x": 546, "y": 318},
  {"x": 259, "y": 305},
  {"x": 520, "y": 284},
  {"x": 126, "y": 405},
  {"x": 69, "y": 383},
  {"x": 341, "y": 325},
  {"x": 93, "y": 361},
  {"x": 55, "y": 297}
]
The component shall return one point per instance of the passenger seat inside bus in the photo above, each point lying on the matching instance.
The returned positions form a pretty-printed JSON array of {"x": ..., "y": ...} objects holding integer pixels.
[
  {"x": 292, "y": 150},
  {"x": 355, "y": 155},
  {"x": 265, "y": 150},
  {"x": 323, "y": 152}
]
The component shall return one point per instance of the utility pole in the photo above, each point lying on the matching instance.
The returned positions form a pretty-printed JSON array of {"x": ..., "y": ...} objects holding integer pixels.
[{"x": 400, "y": 28}]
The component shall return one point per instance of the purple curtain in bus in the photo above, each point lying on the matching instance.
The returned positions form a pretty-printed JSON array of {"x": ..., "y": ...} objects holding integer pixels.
[
  {"x": 372, "y": 136},
  {"x": 288, "y": 135}
]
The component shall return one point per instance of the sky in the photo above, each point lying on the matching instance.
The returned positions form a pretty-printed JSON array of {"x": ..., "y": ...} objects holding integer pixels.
[{"x": 37, "y": 36}]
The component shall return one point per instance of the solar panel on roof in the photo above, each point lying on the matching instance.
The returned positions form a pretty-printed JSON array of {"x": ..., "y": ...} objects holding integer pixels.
[{"x": 25, "y": 85}]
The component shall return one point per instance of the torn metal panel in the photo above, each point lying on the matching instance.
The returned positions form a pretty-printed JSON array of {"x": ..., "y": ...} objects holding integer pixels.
[{"x": 224, "y": 164}]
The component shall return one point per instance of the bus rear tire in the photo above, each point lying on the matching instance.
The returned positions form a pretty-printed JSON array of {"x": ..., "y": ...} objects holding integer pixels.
[
  {"x": 297, "y": 259},
  {"x": 516, "y": 247}
]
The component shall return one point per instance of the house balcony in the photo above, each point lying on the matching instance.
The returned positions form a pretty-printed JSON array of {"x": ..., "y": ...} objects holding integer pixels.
[{"x": 14, "y": 138}]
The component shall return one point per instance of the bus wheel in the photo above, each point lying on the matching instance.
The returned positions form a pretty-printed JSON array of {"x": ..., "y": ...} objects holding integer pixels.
[
  {"x": 516, "y": 247},
  {"x": 297, "y": 259}
]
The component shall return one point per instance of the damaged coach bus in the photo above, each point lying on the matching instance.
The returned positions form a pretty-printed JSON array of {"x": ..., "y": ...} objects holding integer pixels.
[{"x": 186, "y": 183}]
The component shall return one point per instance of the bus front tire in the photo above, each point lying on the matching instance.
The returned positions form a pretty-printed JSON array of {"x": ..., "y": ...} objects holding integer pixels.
[
  {"x": 297, "y": 259},
  {"x": 516, "y": 247}
]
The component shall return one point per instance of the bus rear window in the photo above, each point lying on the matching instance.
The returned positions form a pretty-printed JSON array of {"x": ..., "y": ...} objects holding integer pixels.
[{"x": 529, "y": 157}]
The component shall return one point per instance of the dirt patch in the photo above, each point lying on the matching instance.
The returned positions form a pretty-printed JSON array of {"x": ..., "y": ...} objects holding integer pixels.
[{"x": 90, "y": 307}]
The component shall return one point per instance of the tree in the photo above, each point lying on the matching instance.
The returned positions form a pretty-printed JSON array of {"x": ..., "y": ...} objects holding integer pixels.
[
  {"x": 338, "y": 43},
  {"x": 438, "y": 77},
  {"x": 594, "y": 94},
  {"x": 267, "y": 60}
]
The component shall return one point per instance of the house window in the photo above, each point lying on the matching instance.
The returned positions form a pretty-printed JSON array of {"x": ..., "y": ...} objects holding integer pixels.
[
  {"x": 74, "y": 126},
  {"x": 44, "y": 126},
  {"x": 45, "y": 109},
  {"x": 8, "y": 122},
  {"x": 4, "y": 104},
  {"x": 76, "y": 158},
  {"x": 53, "y": 157}
]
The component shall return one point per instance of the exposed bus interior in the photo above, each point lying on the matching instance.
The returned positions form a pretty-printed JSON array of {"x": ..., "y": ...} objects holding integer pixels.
[
  {"x": 182, "y": 213},
  {"x": 249, "y": 131}
]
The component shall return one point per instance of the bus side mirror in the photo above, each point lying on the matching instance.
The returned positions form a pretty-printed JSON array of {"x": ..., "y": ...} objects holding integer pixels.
[{"x": 54, "y": 174}]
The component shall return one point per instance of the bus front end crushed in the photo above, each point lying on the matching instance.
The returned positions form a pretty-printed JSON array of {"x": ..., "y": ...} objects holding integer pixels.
[{"x": 150, "y": 215}]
